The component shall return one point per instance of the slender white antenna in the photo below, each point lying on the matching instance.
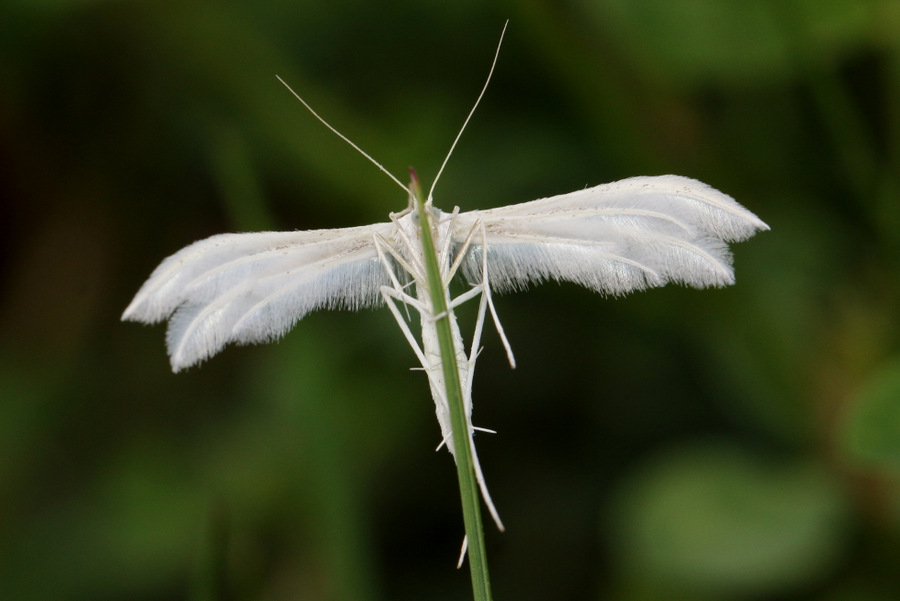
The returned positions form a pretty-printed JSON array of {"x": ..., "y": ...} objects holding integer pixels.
[
  {"x": 345, "y": 138},
  {"x": 466, "y": 122}
]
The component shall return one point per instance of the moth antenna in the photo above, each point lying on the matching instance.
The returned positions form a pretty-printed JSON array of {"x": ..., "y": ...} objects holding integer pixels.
[
  {"x": 342, "y": 136},
  {"x": 471, "y": 112}
]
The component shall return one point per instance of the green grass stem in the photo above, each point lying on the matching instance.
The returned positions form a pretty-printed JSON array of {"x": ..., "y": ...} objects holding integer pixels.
[{"x": 468, "y": 486}]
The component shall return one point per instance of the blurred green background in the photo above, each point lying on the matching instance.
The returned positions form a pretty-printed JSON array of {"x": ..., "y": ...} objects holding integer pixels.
[{"x": 672, "y": 445}]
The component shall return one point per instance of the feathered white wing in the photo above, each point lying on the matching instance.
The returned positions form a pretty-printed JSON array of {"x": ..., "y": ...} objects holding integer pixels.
[
  {"x": 254, "y": 287},
  {"x": 614, "y": 238}
]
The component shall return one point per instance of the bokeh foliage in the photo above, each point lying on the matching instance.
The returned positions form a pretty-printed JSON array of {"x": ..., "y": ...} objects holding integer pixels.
[{"x": 676, "y": 444}]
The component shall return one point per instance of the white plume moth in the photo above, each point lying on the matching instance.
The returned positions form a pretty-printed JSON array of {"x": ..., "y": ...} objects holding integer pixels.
[{"x": 614, "y": 238}]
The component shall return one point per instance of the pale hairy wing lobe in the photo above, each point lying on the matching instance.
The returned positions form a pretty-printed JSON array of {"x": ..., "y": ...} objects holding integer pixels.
[
  {"x": 614, "y": 238},
  {"x": 254, "y": 287}
]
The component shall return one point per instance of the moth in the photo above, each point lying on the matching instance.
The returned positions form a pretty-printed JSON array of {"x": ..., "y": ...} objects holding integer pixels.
[{"x": 614, "y": 238}]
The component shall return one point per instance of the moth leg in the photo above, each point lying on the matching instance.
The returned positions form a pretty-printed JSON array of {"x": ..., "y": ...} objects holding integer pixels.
[
  {"x": 462, "y": 552},
  {"x": 481, "y": 288},
  {"x": 414, "y": 266},
  {"x": 476, "y": 428},
  {"x": 482, "y": 485},
  {"x": 486, "y": 289},
  {"x": 396, "y": 293},
  {"x": 445, "y": 249},
  {"x": 380, "y": 245},
  {"x": 479, "y": 477},
  {"x": 390, "y": 295},
  {"x": 470, "y": 294},
  {"x": 465, "y": 296},
  {"x": 464, "y": 247}
]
